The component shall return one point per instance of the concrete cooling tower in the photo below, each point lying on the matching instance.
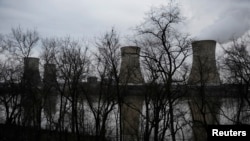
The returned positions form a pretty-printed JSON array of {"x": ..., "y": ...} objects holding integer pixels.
[
  {"x": 49, "y": 73},
  {"x": 130, "y": 71},
  {"x": 31, "y": 71},
  {"x": 204, "y": 70}
]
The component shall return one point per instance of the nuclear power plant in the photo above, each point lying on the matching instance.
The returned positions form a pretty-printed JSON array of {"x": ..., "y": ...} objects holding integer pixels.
[{"x": 203, "y": 85}]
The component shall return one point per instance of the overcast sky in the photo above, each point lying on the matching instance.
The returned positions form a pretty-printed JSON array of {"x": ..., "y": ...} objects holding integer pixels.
[{"x": 205, "y": 19}]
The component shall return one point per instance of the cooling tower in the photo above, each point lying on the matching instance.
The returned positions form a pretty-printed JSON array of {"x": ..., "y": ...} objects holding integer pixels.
[
  {"x": 130, "y": 71},
  {"x": 49, "y": 74},
  {"x": 204, "y": 70},
  {"x": 31, "y": 73},
  {"x": 31, "y": 98},
  {"x": 49, "y": 89}
]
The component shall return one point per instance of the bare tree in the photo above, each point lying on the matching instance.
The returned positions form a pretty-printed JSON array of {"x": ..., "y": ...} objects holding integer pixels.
[
  {"x": 236, "y": 67},
  {"x": 73, "y": 65},
  {"x": 107, "y": 62},
  {"x": 22, "y": 42},
  {"x": 10, "y": 78},
  {"x": 18, "y": 45},
  {"x": 50, "y": 48},
  {"x": 164, "y": 53},
  {"x": 3, "y": 46}
]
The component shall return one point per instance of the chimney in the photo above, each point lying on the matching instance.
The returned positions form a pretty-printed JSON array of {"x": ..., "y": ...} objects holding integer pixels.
[
  {"x": 49, "y": 74},
  {"x": 204, "y": 70},
  {"x": 31, "y": 98},
  {"x": 50, "y": 92},
  {"x": 130, "y": 71},
  {"x": 31, "y": 73}
]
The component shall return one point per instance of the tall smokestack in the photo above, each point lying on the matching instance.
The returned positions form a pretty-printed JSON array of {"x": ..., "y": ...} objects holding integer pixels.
[
  {"x": 204, "y": 68},
  {"x": 31, "y": 99},
  {"x": 31, "y": 71},
  {"x": 49, "y": 74},
  {"x": 130, "y": 71},
  {"x": 50, "y": 93}
]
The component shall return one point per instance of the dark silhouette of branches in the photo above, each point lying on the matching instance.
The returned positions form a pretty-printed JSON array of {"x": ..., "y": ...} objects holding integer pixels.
[{"x": 165, "y": 50}]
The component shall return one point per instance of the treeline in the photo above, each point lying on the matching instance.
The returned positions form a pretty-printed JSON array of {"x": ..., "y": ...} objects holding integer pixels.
[{"x": 64, "y": 102}]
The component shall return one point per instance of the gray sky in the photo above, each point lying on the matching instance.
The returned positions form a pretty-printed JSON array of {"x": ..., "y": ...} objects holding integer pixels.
[
  {"x": 205, "y": 19},
  {"x": 78, "y": 18}
]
